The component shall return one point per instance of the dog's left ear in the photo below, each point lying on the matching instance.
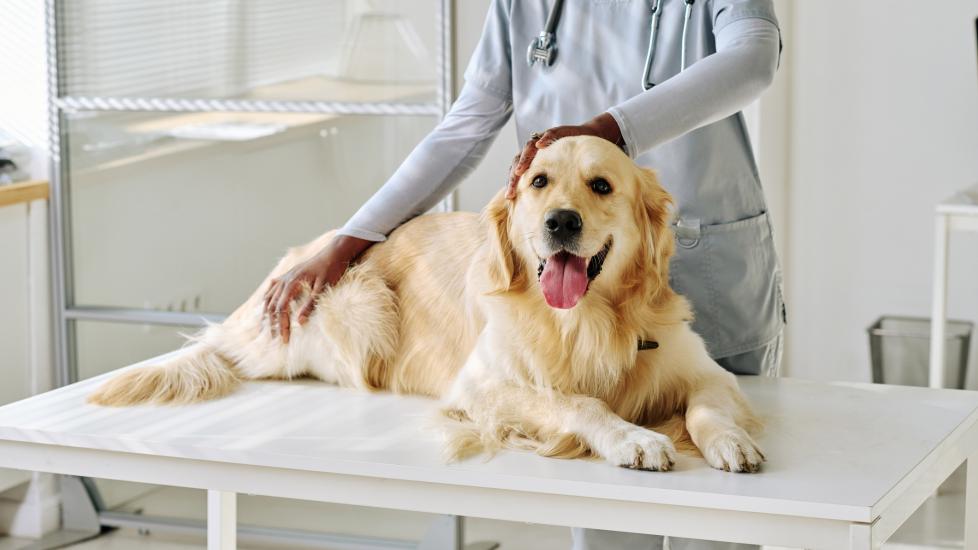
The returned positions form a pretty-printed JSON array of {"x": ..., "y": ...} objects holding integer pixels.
[
  {"x": 503, "y": 265},
  {"x": 659, "y": 241}
]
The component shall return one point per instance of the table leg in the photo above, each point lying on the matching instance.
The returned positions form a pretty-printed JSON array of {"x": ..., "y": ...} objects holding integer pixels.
[
  {"x": 939, "y": 304},
  {"x": 971, "y": 505},
  {"x": 222, "y": 520},
  {"x": 861, "y": 537},
  {"x": 444, "y": 533},
  {"x": 448, "y": 533}
]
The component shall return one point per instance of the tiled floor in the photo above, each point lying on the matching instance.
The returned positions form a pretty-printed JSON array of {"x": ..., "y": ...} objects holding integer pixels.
[{"x": 938, "y": 525}]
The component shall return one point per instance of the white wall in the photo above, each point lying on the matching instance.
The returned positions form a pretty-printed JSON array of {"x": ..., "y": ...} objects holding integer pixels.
[
  {"x": 768, "y": 122},
  {"x": 884, "y": 124},
  {"x": 23, "y": 107}
]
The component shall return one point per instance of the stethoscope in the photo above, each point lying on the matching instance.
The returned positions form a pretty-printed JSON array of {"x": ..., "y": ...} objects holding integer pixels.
[{"x": 543, "y": 48}]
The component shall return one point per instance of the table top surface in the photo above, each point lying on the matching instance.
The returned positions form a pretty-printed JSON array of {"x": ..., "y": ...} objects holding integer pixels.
[
  {"x": 834, "y": 450},
  {"x": 964, "y": 202}
]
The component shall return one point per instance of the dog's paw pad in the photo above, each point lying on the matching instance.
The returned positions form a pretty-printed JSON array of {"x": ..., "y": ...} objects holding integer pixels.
[
  {"x": 642, "y": 449},
  {"x": 734, "y": 451}
]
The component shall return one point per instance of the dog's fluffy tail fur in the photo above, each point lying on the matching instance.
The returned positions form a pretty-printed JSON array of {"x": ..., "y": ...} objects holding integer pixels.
[
  {"x": 198, "y": 373},
  {"x": 464, "y": 438}
]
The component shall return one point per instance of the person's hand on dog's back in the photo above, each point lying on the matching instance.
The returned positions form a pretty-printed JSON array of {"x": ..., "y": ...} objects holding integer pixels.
[
  {"x": 603, "y": 126},
  {"x": 322, "y": 270}
]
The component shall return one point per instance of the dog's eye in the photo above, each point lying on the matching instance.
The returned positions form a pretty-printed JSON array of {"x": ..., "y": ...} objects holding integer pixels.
[
  {"x": 539, "y": 182},
  {"x": 601, "y": 186}
]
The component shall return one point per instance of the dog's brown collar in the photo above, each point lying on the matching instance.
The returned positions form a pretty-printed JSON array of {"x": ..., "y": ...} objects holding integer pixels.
[{"x": 647, "y": 344}]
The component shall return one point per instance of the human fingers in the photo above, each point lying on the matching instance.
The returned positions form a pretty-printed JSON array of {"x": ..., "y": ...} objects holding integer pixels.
[{"x": 311, "y": 300}]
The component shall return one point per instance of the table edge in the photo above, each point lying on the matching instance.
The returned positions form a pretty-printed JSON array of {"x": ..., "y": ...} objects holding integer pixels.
[{"x": 576, "y": 489}]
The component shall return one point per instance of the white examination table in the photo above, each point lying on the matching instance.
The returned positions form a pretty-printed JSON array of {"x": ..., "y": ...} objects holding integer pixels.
[{"x": 847, "y": 463}]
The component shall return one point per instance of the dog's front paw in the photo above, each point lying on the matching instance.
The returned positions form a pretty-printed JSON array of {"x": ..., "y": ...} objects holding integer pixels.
[
  {"x": 641, "y": 449},
  {"x": 733, "y": 451}
]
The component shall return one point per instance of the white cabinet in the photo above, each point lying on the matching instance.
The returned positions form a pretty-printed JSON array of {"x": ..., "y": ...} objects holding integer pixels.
[{"x": 24, "y": 307}]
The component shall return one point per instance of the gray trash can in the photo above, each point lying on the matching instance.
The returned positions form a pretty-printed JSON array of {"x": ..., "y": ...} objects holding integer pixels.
[{"x": 900, "y": 351}]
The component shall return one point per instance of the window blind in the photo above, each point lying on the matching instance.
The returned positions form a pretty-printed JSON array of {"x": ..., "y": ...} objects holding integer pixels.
[{"x": 202, "y": 48}]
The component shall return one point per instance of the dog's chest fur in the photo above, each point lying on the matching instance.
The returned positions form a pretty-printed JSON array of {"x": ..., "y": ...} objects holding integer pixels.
[
  {"x": 580, "y": 351},
  {"x": 586, "y": 351}
]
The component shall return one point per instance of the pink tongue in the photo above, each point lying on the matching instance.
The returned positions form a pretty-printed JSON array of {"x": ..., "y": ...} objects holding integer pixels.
[{"x": 564, "y": 280}]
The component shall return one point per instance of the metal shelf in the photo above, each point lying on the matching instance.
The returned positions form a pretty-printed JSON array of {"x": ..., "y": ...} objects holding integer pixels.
[
  {"x": 198, "y": 105},
  {"x": 143, "y": 316}
]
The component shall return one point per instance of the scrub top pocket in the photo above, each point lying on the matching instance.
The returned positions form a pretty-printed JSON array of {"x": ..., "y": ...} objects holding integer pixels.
[{"x": 730, "y": 274}]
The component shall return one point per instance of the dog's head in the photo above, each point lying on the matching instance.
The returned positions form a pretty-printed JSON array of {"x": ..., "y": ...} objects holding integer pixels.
[{"x": 584, "y": 219}]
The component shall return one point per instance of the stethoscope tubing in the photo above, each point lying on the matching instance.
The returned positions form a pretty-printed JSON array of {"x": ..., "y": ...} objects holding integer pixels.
[
  {"x": 548, "y": 38},
  {"x": 653, "y": 34},
  {"x": 686, "y": 16},
  {"x": 653, "y": 41}
]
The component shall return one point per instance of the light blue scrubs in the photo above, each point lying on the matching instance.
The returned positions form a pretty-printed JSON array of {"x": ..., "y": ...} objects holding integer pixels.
[{"x": 725, "y": 262}]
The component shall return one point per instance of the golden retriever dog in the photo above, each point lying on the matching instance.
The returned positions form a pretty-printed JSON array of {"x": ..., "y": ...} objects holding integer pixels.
[{"x": 546, "y": 324}]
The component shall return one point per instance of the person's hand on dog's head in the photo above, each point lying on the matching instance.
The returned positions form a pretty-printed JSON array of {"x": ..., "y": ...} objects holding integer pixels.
[{"x": 603, "y": 126}]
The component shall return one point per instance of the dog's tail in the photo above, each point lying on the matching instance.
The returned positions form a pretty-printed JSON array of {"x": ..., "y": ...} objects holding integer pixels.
[{"x": 196, "y": 374}]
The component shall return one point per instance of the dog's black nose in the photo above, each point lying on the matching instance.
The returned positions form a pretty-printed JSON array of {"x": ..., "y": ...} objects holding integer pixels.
[{"x": 563, "y": 224}]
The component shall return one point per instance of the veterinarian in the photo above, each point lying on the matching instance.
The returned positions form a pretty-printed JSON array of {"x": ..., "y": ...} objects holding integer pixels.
[{"x": 665, "y": 80}]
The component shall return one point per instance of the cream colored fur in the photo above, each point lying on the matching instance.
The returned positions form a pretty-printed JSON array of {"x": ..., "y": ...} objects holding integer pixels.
[{"x": 450, "y": 307}]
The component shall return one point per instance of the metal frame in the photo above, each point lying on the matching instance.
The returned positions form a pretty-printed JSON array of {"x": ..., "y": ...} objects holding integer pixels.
[
  {"x": 446, "y": 74},
  {"x": 62, "y": 281},
  {"x": 252, "y": 534},
  {"x": 56, "y": 219},
  {"x": 445, "y": 533},
  {"x": 196, "y": 105},
  {"x": 143, "y": 316}
]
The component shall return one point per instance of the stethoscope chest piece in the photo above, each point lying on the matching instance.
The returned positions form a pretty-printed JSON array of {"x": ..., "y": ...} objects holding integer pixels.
[{"x": 543, "y": 48}]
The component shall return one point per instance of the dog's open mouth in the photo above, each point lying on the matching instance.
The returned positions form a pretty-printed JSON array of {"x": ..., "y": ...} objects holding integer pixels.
[{"x": 565, "y": 277}]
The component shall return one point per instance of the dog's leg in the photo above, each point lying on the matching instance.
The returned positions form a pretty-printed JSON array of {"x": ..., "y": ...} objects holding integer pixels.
[
  {"x": 500, "y": 410},
  {"x": 607, "y": 434},
  {"x": 718, "y": 419}
]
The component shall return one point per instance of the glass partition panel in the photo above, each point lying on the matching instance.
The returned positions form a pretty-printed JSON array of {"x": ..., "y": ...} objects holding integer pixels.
[
  {"x": 329, "y": 50},
  {"x": 189, "y": 212}
]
